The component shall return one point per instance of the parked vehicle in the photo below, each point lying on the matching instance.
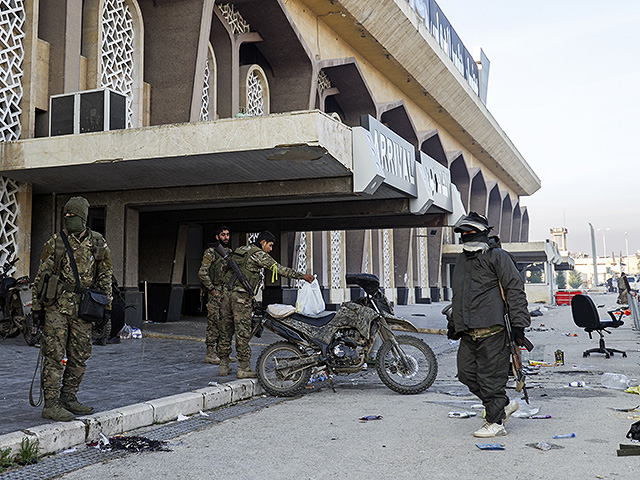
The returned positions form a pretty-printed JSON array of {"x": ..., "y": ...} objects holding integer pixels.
[
  {"x": 341, "y": 342},
  {"x": 634, "y": 282},
  {"x": 15, "y": 304}
]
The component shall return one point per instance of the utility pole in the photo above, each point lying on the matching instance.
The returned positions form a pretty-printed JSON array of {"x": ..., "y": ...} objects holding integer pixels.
[{"x": 595, "y": 258}]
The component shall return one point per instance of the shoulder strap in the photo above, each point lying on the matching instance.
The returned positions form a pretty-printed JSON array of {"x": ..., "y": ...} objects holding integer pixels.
[
  {"x": 58, "y": 253},
  {"x": 72, "y": 260}
]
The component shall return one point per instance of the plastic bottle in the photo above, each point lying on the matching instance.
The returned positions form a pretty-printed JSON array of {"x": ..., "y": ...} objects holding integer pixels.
[
  {"x": 576, "y": 384},
  {"x": 565, "y": 435},
  {"x": 615, "y": 380},
  {"x": 524, "y": 356}
]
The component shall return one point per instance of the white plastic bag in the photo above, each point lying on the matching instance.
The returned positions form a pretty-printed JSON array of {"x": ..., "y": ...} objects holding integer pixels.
[{"x": 310, "y": 301}]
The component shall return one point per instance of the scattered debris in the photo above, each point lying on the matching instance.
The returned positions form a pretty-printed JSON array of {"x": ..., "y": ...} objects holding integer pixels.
[
  {"x": 627, "y": 409},
  {"x": 214, "y": 384},
  {"x": 576, "y": 384},
  {"x": 370, "y": 417},
  {"x": 559, "y": 355},
  {"x": 571, "y": 334},
  {"x": 628, "y": 450},
  {"x": 565, "y": 435},
  {"x": 616, "y": 381},
  {"x": 418, "y": 315},
  {"x": 202, "y": 414},
  {"x": 634, "y": 431},
  {"x": 544, "y": 446},
  {"x": 525, "y": 412},
  {"x": 490, "y": 446},
  {"x": 536, "y": 313},
  {"x": 540, "y": 417},
  {"x": 462, "y": 414},
  {"x": 633, "y": 390},
  {"x": 182, "y": 417},
  {"x": 131, "y": 444}
]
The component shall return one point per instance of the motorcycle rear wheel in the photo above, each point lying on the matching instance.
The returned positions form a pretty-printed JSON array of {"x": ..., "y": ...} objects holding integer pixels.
[
  {"x": 272, "y": 381},
  {"x": 417, "y": 376}
]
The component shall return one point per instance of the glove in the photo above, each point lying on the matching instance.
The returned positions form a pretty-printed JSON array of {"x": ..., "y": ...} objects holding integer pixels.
[
  {"x": 517, "y": 335},
  {"x": 451, "y": 332},
  {"x": 38, "y": 318}
]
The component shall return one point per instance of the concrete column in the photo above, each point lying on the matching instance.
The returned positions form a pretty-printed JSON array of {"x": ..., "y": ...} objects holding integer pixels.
[
  {"x": 131, "y": 240},
  {"x": 29, "y": 68},
  {"x": 60, "y": 24},
  {"x": 23, "y": 223}
]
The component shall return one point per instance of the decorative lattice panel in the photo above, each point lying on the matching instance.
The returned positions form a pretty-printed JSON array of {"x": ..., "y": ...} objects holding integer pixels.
[
  {"x": 324, "y": 83},
  {"x": 301, "y": 256},
  {"x": 255, "y": 95},
  {"x": 423, "y": 260},
  {"x": 252, "y": 237},
  {"x": 204, "y": 110},
  {"x": 386, "y": 258},
  {"x": 8, "y": 218},
  {"x": 234, "y": 19},
  {"x": 336, "y": 258},
  {"x": 118, "y": 51},
  {"x": 11, "y": 58}
]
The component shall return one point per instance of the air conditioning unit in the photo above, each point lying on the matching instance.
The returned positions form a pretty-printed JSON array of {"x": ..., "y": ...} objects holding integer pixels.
[{"x": 88, "y": 111}]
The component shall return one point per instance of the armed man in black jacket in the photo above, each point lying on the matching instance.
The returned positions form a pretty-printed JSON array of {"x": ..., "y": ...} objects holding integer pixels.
[{"x": 477, "y": 319}]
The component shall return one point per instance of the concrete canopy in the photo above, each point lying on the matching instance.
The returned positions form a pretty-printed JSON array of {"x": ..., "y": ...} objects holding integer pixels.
[{"x": 237, "y": 168}]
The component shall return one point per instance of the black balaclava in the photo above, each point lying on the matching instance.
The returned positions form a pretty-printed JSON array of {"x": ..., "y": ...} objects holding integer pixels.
[{"x": 79, "y": 206}]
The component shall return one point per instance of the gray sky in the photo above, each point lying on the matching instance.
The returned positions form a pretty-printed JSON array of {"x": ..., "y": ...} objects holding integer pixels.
[{"x": 564, "y": 85}]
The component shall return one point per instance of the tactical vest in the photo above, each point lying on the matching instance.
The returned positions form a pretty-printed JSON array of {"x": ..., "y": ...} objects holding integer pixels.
[
  {"x": 216, "y": 274},
  {"x": 241, "y": 256},
  {"x": 52, "y": 285}
]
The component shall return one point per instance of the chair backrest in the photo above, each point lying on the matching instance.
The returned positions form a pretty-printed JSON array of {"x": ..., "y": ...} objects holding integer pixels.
[{"x": 584, "y": 312}]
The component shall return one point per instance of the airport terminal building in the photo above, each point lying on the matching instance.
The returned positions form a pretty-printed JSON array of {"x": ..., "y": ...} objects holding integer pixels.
[{"x": 355, "y": 130}]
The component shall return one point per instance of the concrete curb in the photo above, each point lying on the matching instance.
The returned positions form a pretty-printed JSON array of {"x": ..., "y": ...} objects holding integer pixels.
[{"x": 55, "y": 437}]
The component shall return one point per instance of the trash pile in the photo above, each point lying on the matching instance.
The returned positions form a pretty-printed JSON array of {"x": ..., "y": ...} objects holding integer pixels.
[{"x": 134, "y": 444}]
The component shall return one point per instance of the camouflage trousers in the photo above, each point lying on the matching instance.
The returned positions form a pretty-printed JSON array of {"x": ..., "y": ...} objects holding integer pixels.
[
  {"x": 64, "y": 334},
  {"x": 214, "y": 305},
  {"x": 235, "y": 317}
]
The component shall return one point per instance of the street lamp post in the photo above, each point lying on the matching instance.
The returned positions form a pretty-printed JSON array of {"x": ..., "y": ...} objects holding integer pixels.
[
  {"x": 604, "y": 241},
  {"x": 626, "y": 244}
]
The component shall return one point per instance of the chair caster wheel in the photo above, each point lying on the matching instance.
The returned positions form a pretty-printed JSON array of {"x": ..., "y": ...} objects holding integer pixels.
[
  {"x": 624, "y": 355},
  {"x": 585, "y": 355}
]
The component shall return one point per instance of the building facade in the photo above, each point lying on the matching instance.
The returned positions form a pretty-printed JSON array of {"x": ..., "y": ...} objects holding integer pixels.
[{"x": 355, "y": 130}]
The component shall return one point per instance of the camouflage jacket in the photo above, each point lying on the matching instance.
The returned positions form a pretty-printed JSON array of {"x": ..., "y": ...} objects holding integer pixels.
[
  {"x": 211, "y": 271},
  {"x": 94, "y": 270},
  {"x": 257, "y": 260}
]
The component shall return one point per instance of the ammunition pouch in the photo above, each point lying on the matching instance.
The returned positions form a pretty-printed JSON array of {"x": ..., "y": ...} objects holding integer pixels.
[{"x": 48, "y": 292}]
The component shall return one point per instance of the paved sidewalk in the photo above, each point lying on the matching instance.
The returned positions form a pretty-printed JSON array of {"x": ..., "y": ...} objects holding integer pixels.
[{"x": 168, "y": 360}]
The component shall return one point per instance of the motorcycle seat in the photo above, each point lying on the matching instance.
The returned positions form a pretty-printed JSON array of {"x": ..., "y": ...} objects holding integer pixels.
[{"x": 315, "y": 321}]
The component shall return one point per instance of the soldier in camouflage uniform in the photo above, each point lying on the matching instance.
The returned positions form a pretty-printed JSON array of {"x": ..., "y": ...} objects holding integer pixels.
[
  {"x": 237, "y": 302},
  {"x": 55, "y": 307},
  {"x": 211, "y": 274}
]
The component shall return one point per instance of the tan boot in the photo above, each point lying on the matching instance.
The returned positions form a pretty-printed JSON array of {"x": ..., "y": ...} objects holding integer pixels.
[
  {"x": 245, "y": 371},
  {"x": 211, "y": 356},
  {"x": 225, "y": 369},
  {"x": 71, "y": 403},
  {"x": 54, "y": 410}
]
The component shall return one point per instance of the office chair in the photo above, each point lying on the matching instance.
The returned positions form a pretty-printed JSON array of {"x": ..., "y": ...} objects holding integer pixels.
[{"x": 585, "y": 315}]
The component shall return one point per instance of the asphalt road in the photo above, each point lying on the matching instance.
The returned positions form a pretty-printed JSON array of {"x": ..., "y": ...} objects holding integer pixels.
[{"x": 319, "y": 436}]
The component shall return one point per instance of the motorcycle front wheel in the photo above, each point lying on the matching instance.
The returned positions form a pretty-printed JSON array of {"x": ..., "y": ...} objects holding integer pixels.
[
  {"x": 276, "y": 382},
  {"x": 409, "y": 369}
]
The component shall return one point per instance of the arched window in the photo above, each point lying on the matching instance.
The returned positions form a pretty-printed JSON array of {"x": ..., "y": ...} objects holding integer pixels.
[
  {"x": 113, "y": 36},
  {"x": 254, "y": 91}
]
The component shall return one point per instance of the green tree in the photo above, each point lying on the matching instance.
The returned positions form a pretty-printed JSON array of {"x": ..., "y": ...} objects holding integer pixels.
[
  {"x": 561, "y": 280},
  {"x": 575, "y": 279}
]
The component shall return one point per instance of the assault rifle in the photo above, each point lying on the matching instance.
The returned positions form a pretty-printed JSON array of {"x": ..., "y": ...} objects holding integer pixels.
[
  {"x": 234, "y": 268},
  {"x": 516, "y": 360},
  {"x": 256, "y": 326}
]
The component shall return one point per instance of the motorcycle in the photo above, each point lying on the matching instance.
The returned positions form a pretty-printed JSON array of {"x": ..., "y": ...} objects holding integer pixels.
[
  {"x": 341, "y": 342},
  {"x": 15, "y": 303}
]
